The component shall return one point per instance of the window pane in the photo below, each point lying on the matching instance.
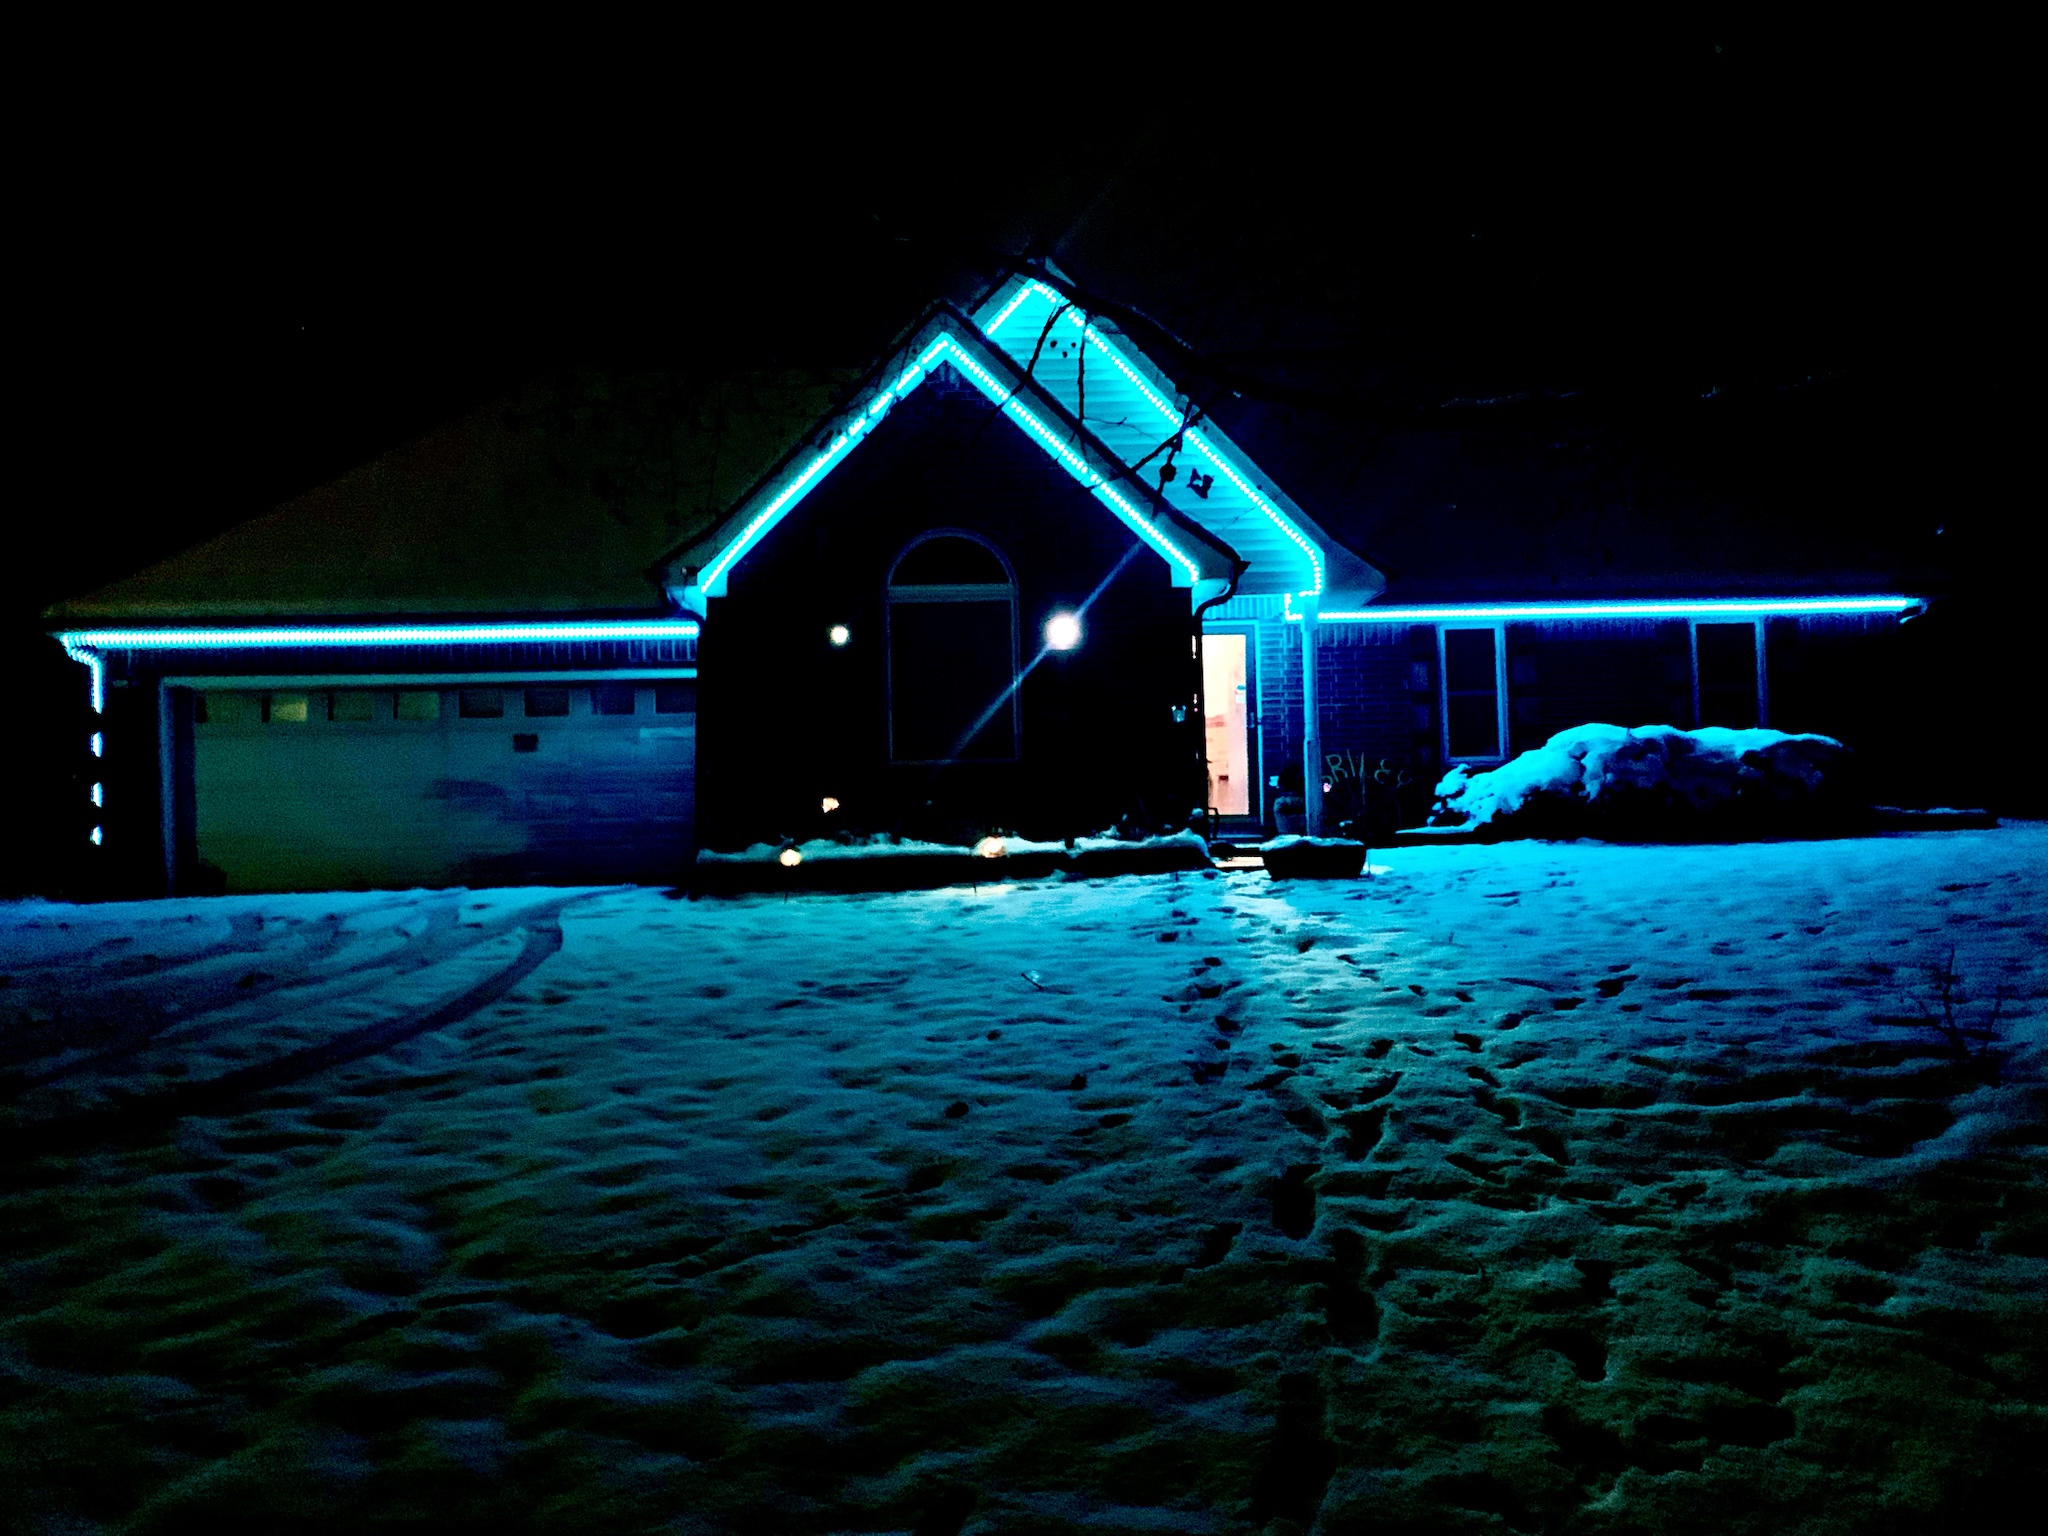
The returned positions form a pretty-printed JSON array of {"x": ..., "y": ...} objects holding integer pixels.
[
  {"x": 1727, "y": 677},
  {"x": 612, "y": 698},
  {"x": 1474, "y": 725},
  {"x": 424, "y": 704},
  {"x": 948, "y": 562},
  {"x": 481, "y": 703},
  {"x": 289, "y": 709},
  {"x": 233, "y": 709},
  {"x": 547, "y": 701},
  {"x": 675, "y": 698},
  {"x": 949, "y": 664},
  {"x": 1468, "y": 660},
  {"x": 354, "y": 704}
]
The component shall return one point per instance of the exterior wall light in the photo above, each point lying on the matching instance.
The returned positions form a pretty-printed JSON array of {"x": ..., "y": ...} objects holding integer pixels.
[
  {"x": 990, "y": 848},
  {"x": 838, "y": 634},
  {"x": 1062, "y": 632},
  {"x": 789, "y": 858},
  {"x": 828, "y": 805}
]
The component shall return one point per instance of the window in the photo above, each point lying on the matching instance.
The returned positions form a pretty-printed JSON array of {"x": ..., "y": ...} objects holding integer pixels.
[
  {"x": 1724, "y": 660},
  {"x": 546, "y": 701},
  {"x": 354, "y": 704},
  {"x": 229, "y": 709},
  {"x": 481, "y": 703},
  {"x": 1472, "y": 694},
  {"x": 675, "y": 698},
  {"x": 952, "y": 650},
  {"x": 287, "y": 709},
  {"x": 612, "y": 699},
  {"x": 421, "y": 704}
]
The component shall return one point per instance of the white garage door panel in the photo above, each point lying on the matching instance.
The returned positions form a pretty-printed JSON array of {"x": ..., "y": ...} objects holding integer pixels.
[{"x": 387, "y": 802}]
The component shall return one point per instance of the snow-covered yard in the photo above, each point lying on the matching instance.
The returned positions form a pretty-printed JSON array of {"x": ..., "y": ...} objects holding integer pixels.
[{"x": 1529, "y": 1187}]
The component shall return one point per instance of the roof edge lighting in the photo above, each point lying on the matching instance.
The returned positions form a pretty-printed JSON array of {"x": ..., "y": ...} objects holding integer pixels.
[
  {"x": 945, "y": 348},
  {"x": 1176, "y": 420},
  {"x": 1682, "y": 608},
  {"x": 275, "y": 637}
]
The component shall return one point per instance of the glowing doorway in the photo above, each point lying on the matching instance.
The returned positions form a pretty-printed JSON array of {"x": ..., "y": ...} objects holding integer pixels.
[{"x": 1226, "y": 689}]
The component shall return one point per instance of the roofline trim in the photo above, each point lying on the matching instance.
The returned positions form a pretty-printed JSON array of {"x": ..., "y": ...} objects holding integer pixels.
[
  {"x": 1680, "y": 608},
  {"x": 947, "y": 339},
  {"x": 1176, "y": 420}
]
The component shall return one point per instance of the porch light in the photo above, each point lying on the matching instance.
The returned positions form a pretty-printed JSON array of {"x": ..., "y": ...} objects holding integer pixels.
[
  {"x": 789, "y": 858},
  {"x": 828, "y": 805},
  {"x": 990, "y": 848},
  {"x": 1062, "y": 632},
  {"x": 838, "y": 634}
]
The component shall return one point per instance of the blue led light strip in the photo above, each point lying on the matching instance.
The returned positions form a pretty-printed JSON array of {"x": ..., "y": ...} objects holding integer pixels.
[
  {"x": 282, "y": 636},
  {"x": 1076, "y": 465},
  {"x": 1677, "y": 609},
  {"x": 945, "y": 349},
  {"x": 96, "y": 667},
  {"x": 1175, "y": 421}
]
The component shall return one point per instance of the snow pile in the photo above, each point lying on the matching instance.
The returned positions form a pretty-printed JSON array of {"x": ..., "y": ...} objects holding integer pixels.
[
  {"x": 1655, "y": 780},
  {"x": 883, "y": 863}
]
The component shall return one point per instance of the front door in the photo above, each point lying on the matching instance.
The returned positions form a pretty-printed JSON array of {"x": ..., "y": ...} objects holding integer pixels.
[{"x": 1227, "y": 728}]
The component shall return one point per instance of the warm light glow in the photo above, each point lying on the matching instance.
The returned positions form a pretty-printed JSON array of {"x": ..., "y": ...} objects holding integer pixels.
[
  {"x": 789, "y": 858},
  {"x": 990, "y": 848},
  {"x": 838, "y": 634},
  {"x": 1062, "y": 632},
  {"x": 828, "y": 805}
]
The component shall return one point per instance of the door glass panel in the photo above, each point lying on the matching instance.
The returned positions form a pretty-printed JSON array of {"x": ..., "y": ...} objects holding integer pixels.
[{"x": 1227, "y": 726}]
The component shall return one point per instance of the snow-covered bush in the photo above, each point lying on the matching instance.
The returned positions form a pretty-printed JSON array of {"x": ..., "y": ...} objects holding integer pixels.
[{"x": 1654, "y": 781}]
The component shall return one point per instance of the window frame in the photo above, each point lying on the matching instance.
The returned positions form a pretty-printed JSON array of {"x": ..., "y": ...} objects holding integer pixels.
[
  {"x": 1763, "y": 686},
  {"x": 976, "y": 592},
  {"x": 1499, "y": 630}
]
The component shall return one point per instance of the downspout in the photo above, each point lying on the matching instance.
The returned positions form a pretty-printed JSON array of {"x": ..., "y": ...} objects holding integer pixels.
[
  {"x": 1237, "y": 569},
  {"x": 1311, "y": 725}
]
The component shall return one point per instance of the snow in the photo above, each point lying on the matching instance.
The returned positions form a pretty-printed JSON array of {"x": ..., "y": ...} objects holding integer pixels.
[
  {"x": 882, "y": 846},
  {"x": 1528, "y": 1185},
  {"x": 884, "y": 862},
  {"x": 1654, "y": 778}
]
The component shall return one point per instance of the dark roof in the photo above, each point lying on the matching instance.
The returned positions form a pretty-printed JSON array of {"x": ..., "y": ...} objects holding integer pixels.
[
  {"x": 1754, "y": 498},
  {"x": 560, "y": 501}
]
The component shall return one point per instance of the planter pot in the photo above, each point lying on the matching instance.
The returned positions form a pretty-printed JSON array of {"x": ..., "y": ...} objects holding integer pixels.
[{"x": 1315, "y": 858}]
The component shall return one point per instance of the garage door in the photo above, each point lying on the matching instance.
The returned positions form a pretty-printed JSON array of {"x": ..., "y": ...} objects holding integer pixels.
[{"x": 545, "y": 781}]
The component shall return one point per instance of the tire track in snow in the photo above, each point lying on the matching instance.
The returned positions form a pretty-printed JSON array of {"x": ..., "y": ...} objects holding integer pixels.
[{"x": 212, "y": 1095}]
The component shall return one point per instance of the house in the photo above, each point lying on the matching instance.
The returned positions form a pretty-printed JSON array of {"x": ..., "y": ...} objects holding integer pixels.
[{"x": 1005, "y": 577}]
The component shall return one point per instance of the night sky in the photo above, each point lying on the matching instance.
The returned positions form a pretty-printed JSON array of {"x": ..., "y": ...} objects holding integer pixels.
[{"x": 240, "y": 293}]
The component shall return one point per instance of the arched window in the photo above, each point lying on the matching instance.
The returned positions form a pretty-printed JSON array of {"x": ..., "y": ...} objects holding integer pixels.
[{"x": 952, "y": 646}]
